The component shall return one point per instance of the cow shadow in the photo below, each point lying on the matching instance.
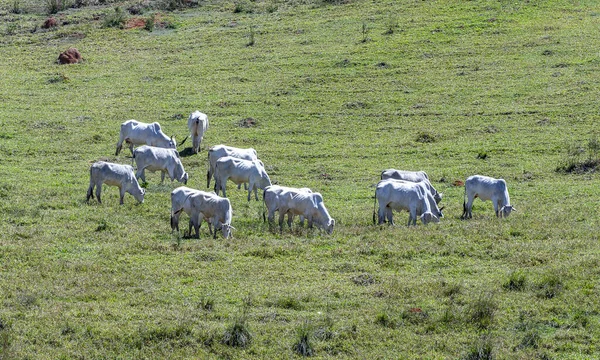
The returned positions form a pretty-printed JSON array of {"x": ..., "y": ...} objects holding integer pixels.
[{"x": 186, "y": 152}]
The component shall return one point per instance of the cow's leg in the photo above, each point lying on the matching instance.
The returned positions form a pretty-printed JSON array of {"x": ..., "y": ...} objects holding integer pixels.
[
  {"x": 196, "y": 227},
  {"x": 174, "y": 222},
  {"x": 191, "y": 223},
  {"x": 210, "y": 227},
  {"x": 130, "y": 146},
  {"x": 119, "y": 146},
  {"x": 302, "y": 220},
  {"x": 141, "y": 174},
  {"x": 496, "y": 204},
  {"x": 389, "y": 215},
  {"x": 90, "y": 191},
  {"x": 215, "y": 228},
  {"x": 99, "y": 191},
  {"x": 290, "y": 219},
  {"x": 162, "y": 176},
  {"x": 470, "y": 207},
  {"x": 121, "y": 194},
  {"x": 208, "y": 175},
  {"x": 310, "y": 222},
  {"x": 223, "y": 186},
  {"x": 281, "y": 215},
  {"x": 381, "y": 214}
]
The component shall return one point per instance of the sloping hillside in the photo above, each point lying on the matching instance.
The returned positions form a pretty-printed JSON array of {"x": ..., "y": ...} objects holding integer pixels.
[{"x": 329, "y": 93}]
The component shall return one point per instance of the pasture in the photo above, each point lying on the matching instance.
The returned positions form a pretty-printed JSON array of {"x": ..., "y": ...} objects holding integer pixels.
[{"x": 329, "y": 93}]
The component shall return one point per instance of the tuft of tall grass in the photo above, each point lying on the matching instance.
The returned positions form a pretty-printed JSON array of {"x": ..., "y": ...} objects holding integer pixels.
[
  {"x": 483, "y": 349},
  {"x": 54, "y": 6},
  {"x": 581, "y": 157},
  {"x": 517, "y": 281},
  {"x": 549, "y": 286},
  {"x": 16, "y": 7},
  {"x": 149, "y": 22},
  {"x": 115, "y": 19},
  {"x": 303, "y": 346},
  {"x": 237, "y": 334},
  {"x": 483, "y": 310}
]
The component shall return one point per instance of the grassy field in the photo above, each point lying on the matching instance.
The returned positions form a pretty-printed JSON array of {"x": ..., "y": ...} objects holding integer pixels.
[{"x": 339, "y": 90}]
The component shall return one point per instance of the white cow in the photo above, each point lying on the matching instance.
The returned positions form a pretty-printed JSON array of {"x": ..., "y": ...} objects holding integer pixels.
[
  {"x": 198, "y": 124},
  {"x": 218, "y": 151},
  {"x": 118, "y": 175},
  {"x": 412, "y": 176},
  {"x": 307, "y": 204},
  {"x": 271, "y": 200},
  {"x": 159, "y": 159},
  {"x": 209, "y": 206},
  {"x": 178, "y": 203},
  {"x": 240, "y": 171},
  {"x": 486, "y": 188},
  {"x": 138, "y": 133},
  {"x": 401, "y": 195}
]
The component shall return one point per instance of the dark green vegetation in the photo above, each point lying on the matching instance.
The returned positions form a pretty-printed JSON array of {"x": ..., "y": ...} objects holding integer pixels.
[{"x": 329, "y": 93}]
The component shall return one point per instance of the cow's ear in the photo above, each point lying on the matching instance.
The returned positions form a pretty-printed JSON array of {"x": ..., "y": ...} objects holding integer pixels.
[
  {"x": 442, "y": 208},
  {"x": 513, "y": 209}
]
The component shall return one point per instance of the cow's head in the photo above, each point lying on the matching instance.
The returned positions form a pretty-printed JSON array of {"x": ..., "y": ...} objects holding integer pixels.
[
  {"x": 506, "y": 210},
  {"x": 226, "y": 230},
  {"x": 139, "y": 195},
  {"x": 439, "y": 212},
  {"x": 329, "y": 227},
  {"x": 172, "y": 143},
  {"x": 428, "y": 217}
]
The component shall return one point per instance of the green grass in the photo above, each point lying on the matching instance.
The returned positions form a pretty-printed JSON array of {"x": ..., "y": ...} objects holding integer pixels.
[{"x": 455, "y": 88}]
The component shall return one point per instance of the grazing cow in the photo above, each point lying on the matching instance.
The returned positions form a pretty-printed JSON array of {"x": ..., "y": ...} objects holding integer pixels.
[
  {"x": 198, "y": 124},
  {"x": 138, "y": 133},
  {"x": 240, "y": 171},
  {"x": 178, "y": 203},
  {"x": 218, "y": 151},
  {"x": 412, "y": 176},
  {"x": 159, "y": 159},
  {"x": 307, "y": 204},
  {"x": 216, "y": 209},
  {"x": 118, "y": 175},
  {"x": 486, "y": 188},
  {"x": 400, "y": 195},
  {"x": 271, "y": 200}
]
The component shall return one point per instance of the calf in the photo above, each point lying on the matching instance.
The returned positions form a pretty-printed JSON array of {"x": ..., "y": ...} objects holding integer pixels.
[
  {"x": 240, "y": 171},
  {"x": 412, "y": 176},
  {"x": 209, "y": 206},
  {"x": 400, "y": 195},
  {"x": 118, "y": 175},
  {"x": 486, "y": 188},
  {"x": 218, "y": 151},
  {"x": 271, "y": 200},
  {"x": 197, "y": 124},
  {"x": 178, "y": 204},
  {"x": 310, "y": 205},
  {"x": 159, "y": 159},
  {"x": 138, "y": 133}
]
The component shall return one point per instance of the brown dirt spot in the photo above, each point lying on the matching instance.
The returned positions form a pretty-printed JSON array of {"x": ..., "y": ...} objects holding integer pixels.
[{"x": 135, "y": 23}]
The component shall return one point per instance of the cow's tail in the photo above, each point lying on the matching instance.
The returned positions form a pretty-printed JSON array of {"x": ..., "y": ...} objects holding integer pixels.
[
  {"x": 464, "y": 214},
  {"x": 184, "y": 140},
  {"x": 264, "y": 207},
  {"x": 374, "y": 206},
  {"x": 208, "y": 171}
]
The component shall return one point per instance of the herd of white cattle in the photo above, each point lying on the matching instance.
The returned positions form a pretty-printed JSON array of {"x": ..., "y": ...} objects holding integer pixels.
[{"x": 397, "y": 189}]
